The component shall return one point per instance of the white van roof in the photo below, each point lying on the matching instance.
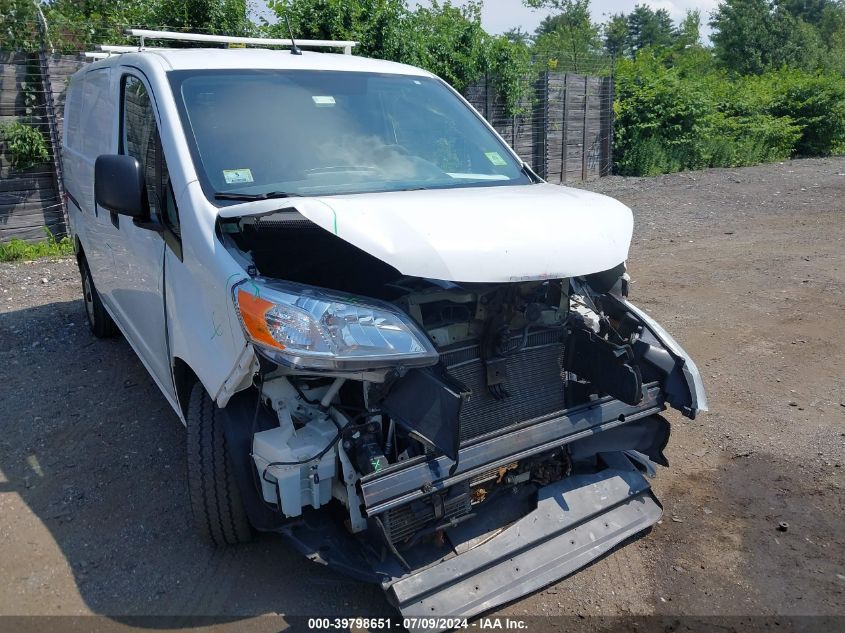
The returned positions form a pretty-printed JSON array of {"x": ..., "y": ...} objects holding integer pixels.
[{"x": 258, "y": 58}]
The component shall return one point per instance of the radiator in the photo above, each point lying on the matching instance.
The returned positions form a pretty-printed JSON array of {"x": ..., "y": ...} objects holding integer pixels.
[
  {"x": 534, "y": 383},
  {"x": 405, "y": 521}
]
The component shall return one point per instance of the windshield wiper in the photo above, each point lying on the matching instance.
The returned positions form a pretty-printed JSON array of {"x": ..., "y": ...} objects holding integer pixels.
[{"x": 255, "y": 196}]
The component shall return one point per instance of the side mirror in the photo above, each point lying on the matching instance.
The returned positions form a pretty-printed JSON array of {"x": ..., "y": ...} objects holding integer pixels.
[{"x": 119, "y": 186}]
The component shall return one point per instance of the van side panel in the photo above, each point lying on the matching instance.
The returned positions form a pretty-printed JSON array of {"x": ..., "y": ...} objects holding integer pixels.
[
  {"x": 71, "y": 137},
  {"x": 203, "y": 326}
]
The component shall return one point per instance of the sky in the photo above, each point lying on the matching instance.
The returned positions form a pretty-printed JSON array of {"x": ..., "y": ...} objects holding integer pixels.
[{"x": 502, "y": 15}]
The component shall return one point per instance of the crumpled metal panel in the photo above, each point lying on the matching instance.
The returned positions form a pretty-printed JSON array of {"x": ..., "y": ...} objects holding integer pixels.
[{"x": 577, "y": 520}]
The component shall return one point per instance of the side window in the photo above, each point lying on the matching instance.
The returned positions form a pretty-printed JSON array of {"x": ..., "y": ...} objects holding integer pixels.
[
  {"x": 141, "y": 140},
  {"x": 73, "y": 111},
  {"x": 96, "y": 114}
]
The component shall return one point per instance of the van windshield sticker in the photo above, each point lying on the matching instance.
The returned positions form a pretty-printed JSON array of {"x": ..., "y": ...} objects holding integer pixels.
[
  {"x": 236, "y": 176},
  {"x": 323, "y": 100},
  {"x": 495, "y": 158}
]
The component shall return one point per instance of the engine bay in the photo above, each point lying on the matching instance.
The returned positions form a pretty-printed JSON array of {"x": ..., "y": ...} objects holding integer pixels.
[{"x": 509, "y": 356}]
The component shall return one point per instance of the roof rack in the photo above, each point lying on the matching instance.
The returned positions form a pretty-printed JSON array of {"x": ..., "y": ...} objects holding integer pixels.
[
  {"x": 111, "y": 49},
  {"x": 144, "y": 34}
]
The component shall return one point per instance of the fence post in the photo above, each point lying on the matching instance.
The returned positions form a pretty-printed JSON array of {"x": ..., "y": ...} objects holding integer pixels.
[
  {"x": 540, "y": 118},
  {"x": 611, "y": 95},
  {"x": 563, "y": 150},
  {"x": 50, "y": 110},
  {"x": 488, "y": 100},
  {"x": 584, "y": 130}
]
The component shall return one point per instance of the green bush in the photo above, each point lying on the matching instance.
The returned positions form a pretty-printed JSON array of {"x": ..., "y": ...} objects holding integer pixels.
[
  {"x": 25, "y": 145},
  {"x": 509, "y": 67},
  {"x": 16, "y": 249},
  {"x": 670, "y": 119},
  {"x": 816, "y": 102},
  {"x": 748, "y": 140},
  {"x": 661, "y": 119}
]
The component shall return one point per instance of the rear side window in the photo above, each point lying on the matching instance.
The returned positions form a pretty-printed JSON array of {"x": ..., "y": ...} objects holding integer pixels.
[
  {"x": 96, "y": 114},
  {"x": 73, "y": 114}
]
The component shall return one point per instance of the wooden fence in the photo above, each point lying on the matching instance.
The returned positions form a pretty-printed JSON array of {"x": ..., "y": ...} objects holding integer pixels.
[
  {"x": 563, "y": 129},
  {"x": 32, "y": 88}
]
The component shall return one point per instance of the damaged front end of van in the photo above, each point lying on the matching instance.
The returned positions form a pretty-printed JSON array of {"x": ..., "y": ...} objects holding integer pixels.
[{"x": 450, "y": 401}]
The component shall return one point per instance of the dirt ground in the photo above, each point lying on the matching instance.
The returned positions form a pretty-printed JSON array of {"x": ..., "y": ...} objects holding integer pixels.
[{"x": 746, "y": 267}]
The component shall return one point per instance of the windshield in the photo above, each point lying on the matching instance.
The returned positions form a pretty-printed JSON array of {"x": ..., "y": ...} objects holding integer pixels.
[{"x": 321, "y": 133}]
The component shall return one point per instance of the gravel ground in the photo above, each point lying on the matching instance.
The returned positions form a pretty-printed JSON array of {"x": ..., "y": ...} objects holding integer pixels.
[{"x": 746, "y": 267}]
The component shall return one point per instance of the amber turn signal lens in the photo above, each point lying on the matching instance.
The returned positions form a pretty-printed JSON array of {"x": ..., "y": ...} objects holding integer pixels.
[{"x": 253, "y": 314}]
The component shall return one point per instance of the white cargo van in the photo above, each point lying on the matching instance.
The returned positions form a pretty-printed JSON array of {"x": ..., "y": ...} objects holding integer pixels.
[{"x": 389, "y": 340}]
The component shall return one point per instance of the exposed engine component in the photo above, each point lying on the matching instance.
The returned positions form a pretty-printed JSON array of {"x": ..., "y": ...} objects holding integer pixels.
[
  {"x": 507, "y": 355},
  {"x": 366, "y": 444},
  {"x": 296, "y": 461},
  {"x": 407, "y": 524},
  {"x": 591, "y": 319},
  {"x": 534, "y": 382},
  {"x": 293, "y": 471}
]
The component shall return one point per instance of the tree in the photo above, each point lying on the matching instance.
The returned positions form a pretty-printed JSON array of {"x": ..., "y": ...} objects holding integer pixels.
[
  {"x": 647, "y": 27},
  {"x": 77, "y": 25},
  {"x": 451, "y": 42},
  {"x": 752, "y": 36},
  {"x": 688, "y": 33},
  {"x": 318, "y": 19},
  {"x": 18, "y": 25},
  {"x": 228, "y": 17},
  {"x": 561, "y": 6},
  {"x": 444, "y": 38},
  {"x": 572, "y": 15},
  {"x": 810, "y": 11},
  {"x": 616, "y": 35},
  {"x": 800, "y": 45},
  {"x": 518, "y": 36},
  {"x": 569, "y": 38},
  {"x": 831, "y": 29},
  {"x": 509, "y": 69},
  {"x": 742, "y": 35},
  {"x": 831, "y": 23}
]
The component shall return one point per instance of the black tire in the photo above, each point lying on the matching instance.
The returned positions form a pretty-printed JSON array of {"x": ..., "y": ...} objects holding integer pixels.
[
  {"x": 216, "y": 506},
  {"x": 101, "y": 324}
]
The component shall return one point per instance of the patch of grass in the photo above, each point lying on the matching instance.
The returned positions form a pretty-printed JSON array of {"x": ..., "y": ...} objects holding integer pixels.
[{"x": 17, "y": 250}]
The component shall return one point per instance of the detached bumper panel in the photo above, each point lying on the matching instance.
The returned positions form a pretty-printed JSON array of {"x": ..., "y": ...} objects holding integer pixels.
[{"x": 576, "y": 520}]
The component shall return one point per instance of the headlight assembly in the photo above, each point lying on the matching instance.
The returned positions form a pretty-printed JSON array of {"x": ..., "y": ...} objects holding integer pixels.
[{"x": 311, "y": 328}]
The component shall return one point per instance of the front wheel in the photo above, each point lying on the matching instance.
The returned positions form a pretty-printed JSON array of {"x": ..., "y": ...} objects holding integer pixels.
[
  {"x": 101, "y": 324},
  {"x": 216, "y": 506}
]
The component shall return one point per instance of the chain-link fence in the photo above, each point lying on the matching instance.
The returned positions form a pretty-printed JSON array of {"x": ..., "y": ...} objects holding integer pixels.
[{"x": 562, "y": 126}]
